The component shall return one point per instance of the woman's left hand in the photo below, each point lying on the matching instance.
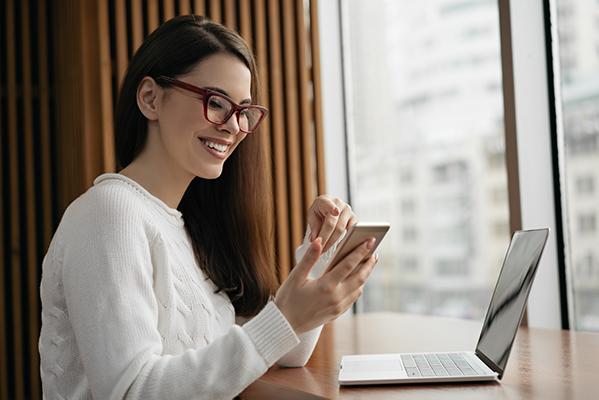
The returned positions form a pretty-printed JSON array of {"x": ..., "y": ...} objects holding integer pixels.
[{"x": 328, "y": 218}]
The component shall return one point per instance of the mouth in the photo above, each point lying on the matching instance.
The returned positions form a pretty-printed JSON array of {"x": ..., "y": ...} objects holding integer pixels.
[{"x": 217, "y": 148}]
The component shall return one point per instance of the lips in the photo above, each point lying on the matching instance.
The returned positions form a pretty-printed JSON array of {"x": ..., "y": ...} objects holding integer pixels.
[{"x": 215, "y": 147}]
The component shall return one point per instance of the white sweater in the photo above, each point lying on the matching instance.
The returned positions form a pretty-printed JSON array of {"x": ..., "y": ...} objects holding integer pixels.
[{"x": 127, "y": 312}]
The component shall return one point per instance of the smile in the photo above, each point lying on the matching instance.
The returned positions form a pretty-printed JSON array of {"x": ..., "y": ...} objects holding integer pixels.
[
  {"x": 216, "y": 146},
  {"x": 218, "y": 150}
]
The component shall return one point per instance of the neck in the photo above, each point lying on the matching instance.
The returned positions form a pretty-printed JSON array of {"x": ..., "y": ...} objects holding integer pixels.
[{"x": 158, "y": 174}]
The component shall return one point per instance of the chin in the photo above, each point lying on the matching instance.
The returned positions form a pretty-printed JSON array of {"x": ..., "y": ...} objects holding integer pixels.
[{"x": 211, "y": 173}]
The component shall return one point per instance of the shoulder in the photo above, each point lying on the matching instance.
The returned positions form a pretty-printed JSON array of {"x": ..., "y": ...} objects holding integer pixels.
[{"x": 108, "y": 207}]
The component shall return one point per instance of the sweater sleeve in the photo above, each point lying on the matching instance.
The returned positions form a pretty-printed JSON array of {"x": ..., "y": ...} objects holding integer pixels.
[
  {"x": 299, "y": 356},
  {"x": 107, "y": 276}
]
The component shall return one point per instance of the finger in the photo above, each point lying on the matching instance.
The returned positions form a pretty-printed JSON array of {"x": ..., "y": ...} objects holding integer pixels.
[
  {"x": 339, "y": 272},
  {"x": 352, "y": 220},
  {"x": 327, "y": 228},
  {"x": 360, "y": 274},
  {"x": 343, "y": 223},
  {"x": 302, "y": 269},
  {"x": 321, "y": 207}
]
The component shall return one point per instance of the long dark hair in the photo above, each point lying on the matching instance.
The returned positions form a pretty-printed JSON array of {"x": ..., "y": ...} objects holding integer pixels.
[{"x": 229, "y": 218}]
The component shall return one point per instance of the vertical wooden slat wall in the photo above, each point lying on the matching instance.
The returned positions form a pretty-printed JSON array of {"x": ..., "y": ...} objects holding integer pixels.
[
  {"x": 28, "y": 187},
  {"x": 61, "y": 65}
]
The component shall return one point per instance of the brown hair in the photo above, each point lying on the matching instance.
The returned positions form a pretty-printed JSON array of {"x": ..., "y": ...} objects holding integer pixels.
[{"x": 229, "y": 219}]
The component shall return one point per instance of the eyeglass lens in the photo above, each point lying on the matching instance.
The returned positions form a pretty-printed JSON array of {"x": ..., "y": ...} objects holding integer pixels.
[{"x": 219, "y": 109}]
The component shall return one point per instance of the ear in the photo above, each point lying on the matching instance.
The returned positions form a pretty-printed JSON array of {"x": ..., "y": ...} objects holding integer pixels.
[{"x": 148, "y": 97}]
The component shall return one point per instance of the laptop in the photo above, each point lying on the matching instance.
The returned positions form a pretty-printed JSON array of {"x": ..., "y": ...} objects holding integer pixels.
[{"x": 489, "y": 359}]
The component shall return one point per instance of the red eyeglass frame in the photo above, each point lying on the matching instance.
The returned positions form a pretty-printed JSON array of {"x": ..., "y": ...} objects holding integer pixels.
[{"x": 206, "y": 93}]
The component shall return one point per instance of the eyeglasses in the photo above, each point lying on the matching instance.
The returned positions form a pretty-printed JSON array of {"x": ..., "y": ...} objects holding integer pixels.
[{"x": 218, "y": 108}]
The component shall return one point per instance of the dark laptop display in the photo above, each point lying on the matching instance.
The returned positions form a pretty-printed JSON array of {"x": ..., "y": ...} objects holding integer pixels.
[{"x": 509, "y": 298}]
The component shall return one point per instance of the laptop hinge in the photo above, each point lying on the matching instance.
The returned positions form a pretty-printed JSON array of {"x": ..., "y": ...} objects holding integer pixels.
[{"x": 489, "y": 363}]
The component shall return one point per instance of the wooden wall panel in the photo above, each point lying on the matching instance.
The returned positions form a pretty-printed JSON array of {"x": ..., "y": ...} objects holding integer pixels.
[
  {"x": 282, "y": 223},
  {"x": 3, "y": 326},
  {"x": 31, "y": 257},
  {"x": 152, "y": 12},
  {"x": 214, "y": 10},
  {"x": 316, "y": 96},
  {"x": 27, "y": 186},
  {"x": 106, "y": 141},
  {"x": 309, "y": 181},
  {"x": 184, "y": 7},
  {"x": 137, "y": 25},
  {"x": 15, "y": 259},
  {"x": 57, "y": 130},
  {"x": 45, "y": 130},
  {"x": 292, "y": 132}
]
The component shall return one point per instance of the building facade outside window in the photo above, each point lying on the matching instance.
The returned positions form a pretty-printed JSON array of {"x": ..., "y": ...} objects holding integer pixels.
[
  {"x": 428, "y": 127},
  {"x": 578, "y": 38}
]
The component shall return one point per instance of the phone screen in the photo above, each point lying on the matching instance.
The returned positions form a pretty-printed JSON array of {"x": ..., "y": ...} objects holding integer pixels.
[{"x": 357, "y": 235}]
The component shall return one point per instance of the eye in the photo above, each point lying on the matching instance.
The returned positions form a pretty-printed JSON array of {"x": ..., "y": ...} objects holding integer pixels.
[{"x": 216, "y": 103}]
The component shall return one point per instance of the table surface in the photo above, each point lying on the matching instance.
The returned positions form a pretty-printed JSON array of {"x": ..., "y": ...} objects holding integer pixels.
[{"x": 544, "y": 364}]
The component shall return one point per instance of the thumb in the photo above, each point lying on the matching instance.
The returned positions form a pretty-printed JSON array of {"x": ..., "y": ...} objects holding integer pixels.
[{"x": 302, "y": 269}]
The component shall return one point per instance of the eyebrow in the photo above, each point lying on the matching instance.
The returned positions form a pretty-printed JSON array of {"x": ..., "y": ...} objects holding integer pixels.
[{"x": 245, "y": 101}]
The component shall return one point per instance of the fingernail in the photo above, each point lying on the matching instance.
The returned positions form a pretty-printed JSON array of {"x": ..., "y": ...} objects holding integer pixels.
[
  {"x": 376, "y": 257},
  {"x": 370, "y": 243}
]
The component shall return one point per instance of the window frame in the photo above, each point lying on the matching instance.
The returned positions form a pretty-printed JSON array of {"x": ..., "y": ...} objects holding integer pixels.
[{"x": 531, "y": 104}]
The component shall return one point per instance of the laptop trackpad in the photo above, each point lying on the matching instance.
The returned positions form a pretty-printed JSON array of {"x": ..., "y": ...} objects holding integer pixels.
[{"x": 372, "y": 365}]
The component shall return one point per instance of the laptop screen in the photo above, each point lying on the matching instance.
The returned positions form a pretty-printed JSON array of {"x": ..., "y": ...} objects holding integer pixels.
[{"x": 509, "y": 298}]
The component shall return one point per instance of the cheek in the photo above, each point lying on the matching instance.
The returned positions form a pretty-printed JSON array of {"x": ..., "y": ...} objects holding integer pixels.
[{"x": 182, "y": 119}]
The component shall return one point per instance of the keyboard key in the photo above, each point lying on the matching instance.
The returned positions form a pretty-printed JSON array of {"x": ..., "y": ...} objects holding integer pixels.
[
  {"x": 468, "y": 371},
  {"x": 427, "y": 372},
  {"x": 453, "y": 371},
  {"x": 440, "y": 371},
  {"x": 433, "y": 359},
  {"x": 407, "y": 361},
  {"x": 412, "y": 372},
  {"x": 448, "y": 363}
]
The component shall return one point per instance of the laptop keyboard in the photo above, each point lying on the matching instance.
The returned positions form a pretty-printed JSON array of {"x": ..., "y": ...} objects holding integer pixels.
[{"x": 440, "y": 364}]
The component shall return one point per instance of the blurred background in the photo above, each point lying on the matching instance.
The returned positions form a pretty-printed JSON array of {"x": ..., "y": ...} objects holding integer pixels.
[{"x": 420, "y": 140}]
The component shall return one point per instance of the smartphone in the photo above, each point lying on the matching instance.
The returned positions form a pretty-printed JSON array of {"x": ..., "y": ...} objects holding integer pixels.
[{"x": 356, "y": 235}]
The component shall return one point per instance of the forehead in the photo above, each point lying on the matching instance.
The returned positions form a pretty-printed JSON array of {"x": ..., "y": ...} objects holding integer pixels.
[{"x": 223, "y": 71}]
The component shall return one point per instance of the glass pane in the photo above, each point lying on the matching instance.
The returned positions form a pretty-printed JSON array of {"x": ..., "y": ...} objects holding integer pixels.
[
  {"x": 427, "y": 150},
  {"x": 578, "y": 33}
]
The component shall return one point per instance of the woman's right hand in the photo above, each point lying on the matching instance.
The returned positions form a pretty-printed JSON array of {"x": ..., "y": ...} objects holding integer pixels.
[{"x": 308, "y": 303}]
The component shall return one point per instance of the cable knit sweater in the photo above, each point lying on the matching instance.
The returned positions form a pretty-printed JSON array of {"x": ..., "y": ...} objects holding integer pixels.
[{"x": 127, "y": 312}]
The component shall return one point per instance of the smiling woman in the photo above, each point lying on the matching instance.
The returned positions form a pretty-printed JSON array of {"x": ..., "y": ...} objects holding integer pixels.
[{"x": 160, "y": 280}]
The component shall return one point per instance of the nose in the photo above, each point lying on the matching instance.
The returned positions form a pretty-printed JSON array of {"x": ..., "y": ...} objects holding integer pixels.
[{"x": 231, "y": 126}]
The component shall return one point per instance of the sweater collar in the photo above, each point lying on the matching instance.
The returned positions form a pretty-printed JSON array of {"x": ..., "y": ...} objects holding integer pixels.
[{"x": 173, "y": 213}]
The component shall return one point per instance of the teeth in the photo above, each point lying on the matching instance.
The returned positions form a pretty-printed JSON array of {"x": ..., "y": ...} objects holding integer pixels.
[{"x": 216, "y": 146}]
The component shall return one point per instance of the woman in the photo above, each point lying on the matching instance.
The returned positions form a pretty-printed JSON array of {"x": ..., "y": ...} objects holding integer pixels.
[{"x": 159, "y": 282}]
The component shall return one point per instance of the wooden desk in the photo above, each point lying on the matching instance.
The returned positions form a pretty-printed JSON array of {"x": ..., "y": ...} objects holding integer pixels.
[{"x": 534, "y": 370}]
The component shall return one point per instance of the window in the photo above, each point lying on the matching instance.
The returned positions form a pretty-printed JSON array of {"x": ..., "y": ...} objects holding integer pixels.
[
  {"x": 585, "y": 185},
  {"x": 452, "y": 268},
  {"x": 426, "y": 130},
  {"x": 587, "y": 223},
  {"x": 577, "y": 33},
  {"x": 407, "y": 207},
  {"x": 409, "y": 264}
]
